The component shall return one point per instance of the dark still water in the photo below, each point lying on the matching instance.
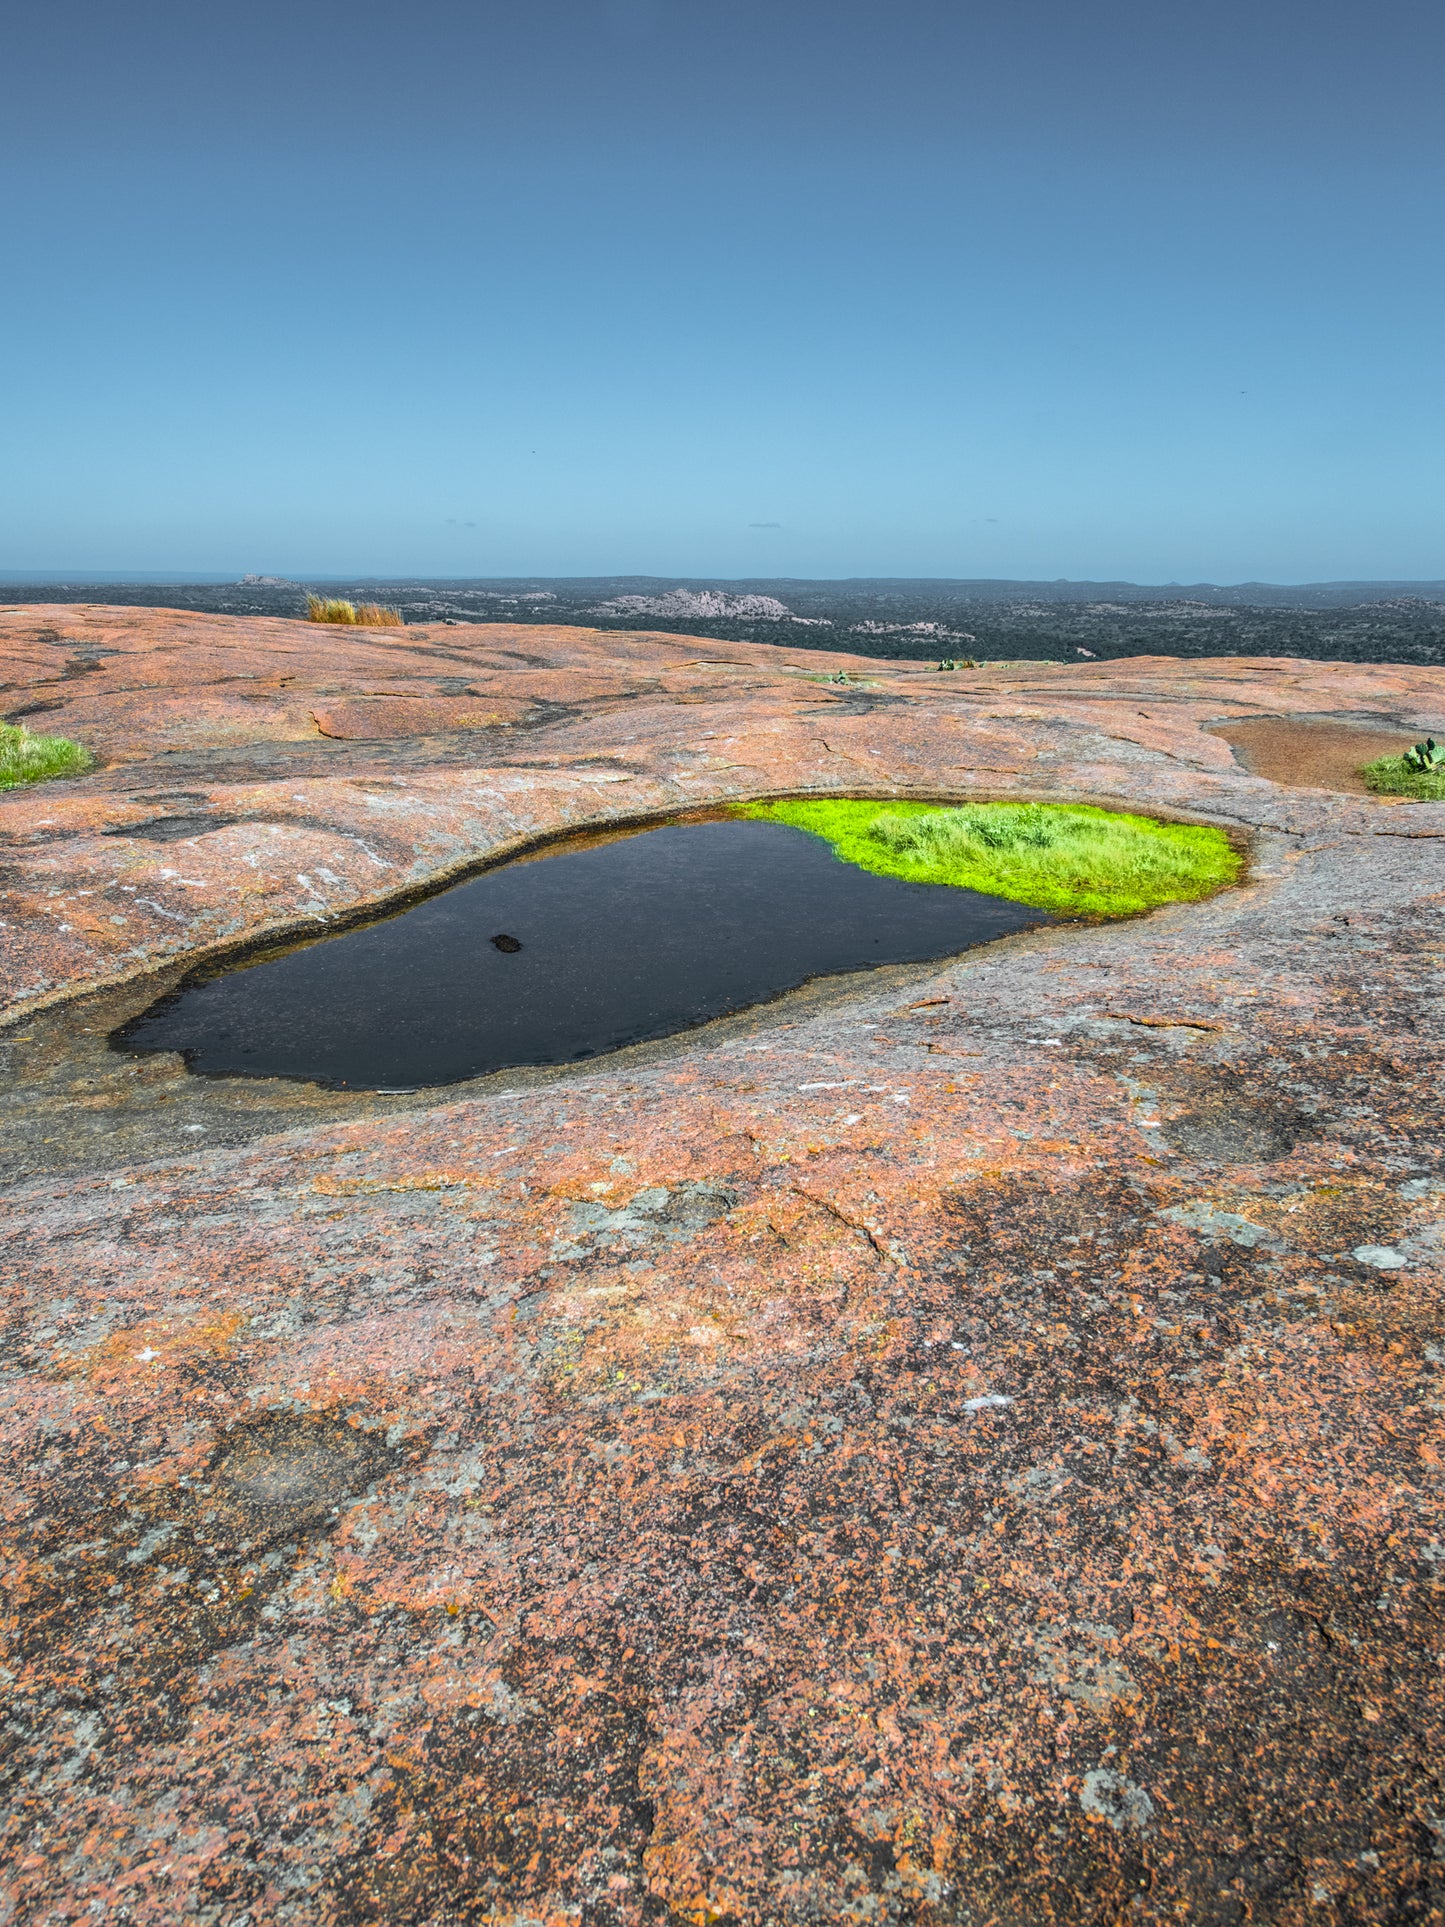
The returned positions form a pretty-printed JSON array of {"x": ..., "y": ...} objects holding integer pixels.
[{"x": 564, "y": 957}]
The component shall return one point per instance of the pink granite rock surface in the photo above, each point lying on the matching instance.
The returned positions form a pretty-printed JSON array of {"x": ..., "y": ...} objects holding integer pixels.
[{"x": 961, "y": 1445}]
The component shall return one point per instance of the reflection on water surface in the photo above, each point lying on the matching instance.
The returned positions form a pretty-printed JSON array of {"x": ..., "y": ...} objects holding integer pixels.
[{"x": 564, "y": 957}]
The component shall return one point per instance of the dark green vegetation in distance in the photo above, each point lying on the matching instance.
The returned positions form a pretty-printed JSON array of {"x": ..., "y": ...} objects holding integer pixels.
[
  {"x": 30, "y": 759},
  {"x": 1066, "y": 857},
  {"x": 912, "y": 619}
]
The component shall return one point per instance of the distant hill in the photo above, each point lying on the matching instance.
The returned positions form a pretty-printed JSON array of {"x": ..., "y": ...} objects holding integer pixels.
[
  {"x": 793, "y": 589},
  {"x": 724, "y": 592},
  {"x": 917, "y": 618}
]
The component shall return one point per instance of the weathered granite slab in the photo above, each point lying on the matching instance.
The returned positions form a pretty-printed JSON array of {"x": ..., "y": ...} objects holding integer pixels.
[{"x": 960, "y": 1445}]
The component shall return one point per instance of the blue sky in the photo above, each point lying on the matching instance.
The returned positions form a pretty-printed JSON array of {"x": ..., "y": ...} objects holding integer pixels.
[{"x": 604, "y": 286}]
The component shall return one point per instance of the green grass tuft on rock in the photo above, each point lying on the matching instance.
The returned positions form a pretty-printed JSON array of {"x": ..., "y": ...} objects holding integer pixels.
[
  {"x": 31, "y": 759},
  {"x": 1393, "y": 776},
  {"x": 1068, "y": 857}
]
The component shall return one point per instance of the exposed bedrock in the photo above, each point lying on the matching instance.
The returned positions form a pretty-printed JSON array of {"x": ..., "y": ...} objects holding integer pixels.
[{"x": 962, "y": 1444}]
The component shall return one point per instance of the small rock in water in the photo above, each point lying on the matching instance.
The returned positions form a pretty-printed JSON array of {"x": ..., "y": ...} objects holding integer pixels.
[{"x": 504, "y": 942}]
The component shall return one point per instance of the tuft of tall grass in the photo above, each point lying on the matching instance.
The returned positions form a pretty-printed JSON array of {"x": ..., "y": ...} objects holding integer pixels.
[
  {"x": 365, "y": 615},
  {"x": 25, "y": 758},
  {"x": 1069, "y": 857},
  {"x": 1398, "y": 776}
]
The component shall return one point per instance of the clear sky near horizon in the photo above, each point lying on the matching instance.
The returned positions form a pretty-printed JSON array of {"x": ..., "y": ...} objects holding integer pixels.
[{"x": 1133, "y": 290}]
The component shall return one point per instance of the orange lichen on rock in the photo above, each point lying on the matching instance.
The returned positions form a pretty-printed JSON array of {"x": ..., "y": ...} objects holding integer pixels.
[{"x": 962, "y": 1444}]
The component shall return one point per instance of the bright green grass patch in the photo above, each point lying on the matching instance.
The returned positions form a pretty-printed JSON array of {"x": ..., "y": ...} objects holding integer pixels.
[
  {"x": 1057, "y": 856},
  {"x": 1393, "y": 776},
  {"x": 30, "y": 759}
]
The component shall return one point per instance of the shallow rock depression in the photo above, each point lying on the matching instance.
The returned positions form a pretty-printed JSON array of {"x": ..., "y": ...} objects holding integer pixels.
[
  {"x": 962, "y": 1443},
  {"x": 636, "y": 938}
]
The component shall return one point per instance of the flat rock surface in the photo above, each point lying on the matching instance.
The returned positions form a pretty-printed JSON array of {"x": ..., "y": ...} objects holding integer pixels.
[{"x": 960, "y": 1444}]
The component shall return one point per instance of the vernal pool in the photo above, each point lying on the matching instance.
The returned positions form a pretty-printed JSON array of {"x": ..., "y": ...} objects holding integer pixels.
[{"x": 564, "y": 956}]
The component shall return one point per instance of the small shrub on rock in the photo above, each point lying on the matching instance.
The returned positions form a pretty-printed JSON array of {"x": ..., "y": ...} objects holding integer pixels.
[
  {"x": 1419, "y": 772},
  {"x": 25, "y": 758}
]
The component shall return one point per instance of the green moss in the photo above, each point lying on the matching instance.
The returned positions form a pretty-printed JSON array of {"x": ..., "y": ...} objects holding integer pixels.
[
  {"x": 1069, "y": 857},
  {"x": 30, "y": 759},
  {"x": 1393, "y": 776}
]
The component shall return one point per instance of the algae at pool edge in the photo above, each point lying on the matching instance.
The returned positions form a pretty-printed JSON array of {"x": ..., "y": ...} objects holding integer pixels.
[
  {"x": 1069, "y": 857},
  {"x": 25, "y": 758}
]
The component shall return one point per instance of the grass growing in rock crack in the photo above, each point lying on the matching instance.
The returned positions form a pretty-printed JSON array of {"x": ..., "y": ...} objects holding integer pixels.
[
  {"x": 30, "y": 759},
  {"x": 1067, "y": 857},
  {"x": 1419, "y": 772},
  {"x": 362, "y": 615}
]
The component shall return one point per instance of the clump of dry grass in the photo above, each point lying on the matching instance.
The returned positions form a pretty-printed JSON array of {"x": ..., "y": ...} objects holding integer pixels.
[{"x": 356, "y": 615}]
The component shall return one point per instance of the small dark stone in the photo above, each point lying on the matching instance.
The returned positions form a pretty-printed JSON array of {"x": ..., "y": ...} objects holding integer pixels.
[{"x": 506, "y": 943}]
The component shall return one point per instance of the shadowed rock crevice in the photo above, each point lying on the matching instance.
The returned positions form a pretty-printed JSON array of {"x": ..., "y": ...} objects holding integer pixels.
[{"x": 173, "y": 829}]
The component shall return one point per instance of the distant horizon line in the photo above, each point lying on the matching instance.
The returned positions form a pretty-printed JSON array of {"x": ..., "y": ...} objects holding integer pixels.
[{"x": 182, "y": 578}]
